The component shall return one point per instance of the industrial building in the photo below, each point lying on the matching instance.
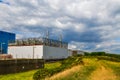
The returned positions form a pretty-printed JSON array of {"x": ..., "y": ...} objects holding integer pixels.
[
  {"x": 75, "y": 52},
  {"x": 5, "y": 38},
  {"x": 39, "y": 48}
]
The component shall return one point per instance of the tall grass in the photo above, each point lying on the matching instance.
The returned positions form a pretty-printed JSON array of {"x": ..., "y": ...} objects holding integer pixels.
[
  {"x": 18, "y": 76},
  {"x": 65, "y": 73},
  {"x": 72, "y": 69},
  {"x": 29, "y": 74},
  {"x": 93, "y": 69},
  {"x": 67, "y": 63},
  {"x": 115, "y": 66},
  {"x": 52, "y": 65},
  {"x": 81, "y": 72}
]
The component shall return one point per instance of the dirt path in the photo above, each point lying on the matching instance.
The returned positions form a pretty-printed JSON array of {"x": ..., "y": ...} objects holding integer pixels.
[
  {"x": 64, "y": 73},
  {"x": 103, "y": 73}
]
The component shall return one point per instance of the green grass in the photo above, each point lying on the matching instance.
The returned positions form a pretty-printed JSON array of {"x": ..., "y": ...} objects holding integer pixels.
[
  {"x": 80, "y": 75},
  {"x": 19, "y": 76},
  {"x": 91, "y": 69},
  {"x": 115, "y": 66},
  {"x": 89, "y": 66},
  {"x": 61, "y": 66},
  {"x": 27, "y": 75},
  {"x": 52, "y": 65},
  {"x": 84, "y": 72}
]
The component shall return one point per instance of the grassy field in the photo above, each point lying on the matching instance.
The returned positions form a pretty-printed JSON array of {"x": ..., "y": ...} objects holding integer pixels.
[
  {"x": 52, "y": 65},
  {"x": 18, "y": 76},
  {"x": 27, "y": 75},
  {"x": 92, "y": 69}
]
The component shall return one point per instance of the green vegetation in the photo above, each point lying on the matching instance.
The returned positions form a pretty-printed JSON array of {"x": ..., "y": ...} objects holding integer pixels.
[
  {"x": 92, "y": 66},
  {"x": 83, "y": 74},
  {"x": 27, "y": 75},
  {"x": 102, "y": 54},
  {"x": 115, "y": 66},
  {"x": 46, "y": 72},
  {"x": 95, "y": 61},
  {"x": 19, "y": 76},
  {"x": 52, "y": 65},
  {"x": 93, "y": 69}
]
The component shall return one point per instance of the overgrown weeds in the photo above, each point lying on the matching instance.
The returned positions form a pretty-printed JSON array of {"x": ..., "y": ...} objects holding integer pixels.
[{"x": 68, "y": 63}]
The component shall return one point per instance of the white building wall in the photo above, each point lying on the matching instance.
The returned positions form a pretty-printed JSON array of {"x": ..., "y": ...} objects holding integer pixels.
[
  {"x": 26, "y": 51},
  {"x": 54, "y": 52},
  {"x": 39, "y": 51}
]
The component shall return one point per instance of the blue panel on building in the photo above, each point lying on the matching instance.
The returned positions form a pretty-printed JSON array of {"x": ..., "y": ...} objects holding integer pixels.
[{"x": 5, "y": 38}]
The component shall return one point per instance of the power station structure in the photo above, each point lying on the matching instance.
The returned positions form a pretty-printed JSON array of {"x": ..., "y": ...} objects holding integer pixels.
[
  {"x": 5, "y": 39},
  {"x": 39, "y": 48}
]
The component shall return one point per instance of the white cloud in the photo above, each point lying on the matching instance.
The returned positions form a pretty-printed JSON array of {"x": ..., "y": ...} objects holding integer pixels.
[
  {"x": 31, "y": 22},
  {"x": 75, "y": 18}
]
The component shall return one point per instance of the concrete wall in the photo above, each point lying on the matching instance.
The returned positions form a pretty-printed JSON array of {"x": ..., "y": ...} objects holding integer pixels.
[
  {"x": 26, "y": 51},
  {"x": 38, "y": 51},
  {"x": 54, "y": 52},
  {"x": 14, "y": 66}
]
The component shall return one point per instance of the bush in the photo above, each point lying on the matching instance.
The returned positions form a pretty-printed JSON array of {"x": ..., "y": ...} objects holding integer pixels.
[
  {"x": 67, "y": 63},
  {"x": 86, "y": 54},
  {"x": 98, "y": 54},
  {"x": 108, "y": 58},
  {"x": 42, "y": 73}
]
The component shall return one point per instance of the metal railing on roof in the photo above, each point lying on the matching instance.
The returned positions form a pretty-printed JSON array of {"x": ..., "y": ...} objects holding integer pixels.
[{"x": 39, "y": 41}]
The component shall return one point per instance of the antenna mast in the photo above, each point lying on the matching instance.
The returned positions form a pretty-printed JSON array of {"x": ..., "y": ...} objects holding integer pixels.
[
  {"x": 47, "y": 34},
  {"x": 60, "y": 39}
]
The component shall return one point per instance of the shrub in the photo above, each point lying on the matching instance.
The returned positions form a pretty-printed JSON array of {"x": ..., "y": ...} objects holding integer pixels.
[
  {"x": 98, "y": 54},
  {"x": 108, "y": 58},
  {"x": 67, "y": 63}
]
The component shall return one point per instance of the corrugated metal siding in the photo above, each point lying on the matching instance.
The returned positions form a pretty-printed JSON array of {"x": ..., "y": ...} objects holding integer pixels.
[{"x": 5, "y": 37}]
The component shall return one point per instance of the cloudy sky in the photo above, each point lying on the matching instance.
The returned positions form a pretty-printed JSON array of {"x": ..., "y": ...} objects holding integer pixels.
[{"x": 90, "y": 25}]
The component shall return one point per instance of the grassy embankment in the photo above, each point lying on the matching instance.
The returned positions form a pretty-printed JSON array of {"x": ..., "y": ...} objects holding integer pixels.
[
  {"x": 92, "y": 69},
  {"x": 79, "y": 72},
  {"x": 27, "y": 75}
]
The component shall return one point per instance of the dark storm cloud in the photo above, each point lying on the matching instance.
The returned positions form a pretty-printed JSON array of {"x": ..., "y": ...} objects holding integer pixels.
[
  {"x": 85, "y": 24},
  {"x": 86, "y": 36}
]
